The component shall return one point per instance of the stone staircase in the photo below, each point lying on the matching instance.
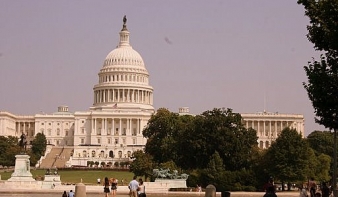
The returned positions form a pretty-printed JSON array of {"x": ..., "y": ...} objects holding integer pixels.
[{"x": 57, "y": 157}]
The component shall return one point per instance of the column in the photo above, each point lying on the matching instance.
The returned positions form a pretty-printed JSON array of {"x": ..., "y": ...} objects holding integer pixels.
[
  {"x": 106, "y": 126},
  {"x": 120, "y": 130},
  {"x": 270, "y": 131},
  {"x": 128, "y": 98},
  {"x": 113, "y": 126},
  {"x": 258, "y": 128}
]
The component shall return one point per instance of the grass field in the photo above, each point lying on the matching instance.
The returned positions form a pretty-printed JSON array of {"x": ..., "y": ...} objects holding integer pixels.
[{"x": 89, "y": 177}]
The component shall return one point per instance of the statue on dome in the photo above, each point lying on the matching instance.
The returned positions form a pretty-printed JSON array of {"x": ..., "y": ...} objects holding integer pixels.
[{"x": 124, "y": 20}]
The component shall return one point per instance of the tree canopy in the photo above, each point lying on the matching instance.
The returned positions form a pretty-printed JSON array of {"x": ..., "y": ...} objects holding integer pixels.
[
  {"x": 323, "y": 27},
  {"x": 189, "y": 141},
  {"x": 289, "y": 158}
]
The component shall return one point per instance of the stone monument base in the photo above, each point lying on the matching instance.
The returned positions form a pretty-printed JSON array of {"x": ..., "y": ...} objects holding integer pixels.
[
  {"x": 51, "y": 181},
  {"x": 22, "y": 177},
  {"x": 22, "y": 170},
  {"x": 173, "y": 183}
]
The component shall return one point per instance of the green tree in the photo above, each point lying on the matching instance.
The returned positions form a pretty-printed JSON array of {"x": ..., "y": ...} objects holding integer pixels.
[
  {"x": 39, "y": 145},
  {"x": 220, "y": 130},
  {"x": 161, "y": 131},
  {"x": 321, "y": 142},
  {"x": 8, "y": 149},
  {"x": 323, "y": 27},
  {"x": 214, "y": 172},
  {"x": 323, "y": 75},
  {"x": 142, "y": 164},
  {"x": 323, "y": 168},
  {"x": 289, "y": 159}
]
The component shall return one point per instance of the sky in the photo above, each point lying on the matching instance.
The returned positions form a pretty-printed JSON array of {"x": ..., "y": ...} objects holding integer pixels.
[{"x": 239, "y": 54}]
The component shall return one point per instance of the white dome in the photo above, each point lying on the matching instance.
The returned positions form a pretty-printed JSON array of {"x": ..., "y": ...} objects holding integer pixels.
[{"x": 124, "y": 55}]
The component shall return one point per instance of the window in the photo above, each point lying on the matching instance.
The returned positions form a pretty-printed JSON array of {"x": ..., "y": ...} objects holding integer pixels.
[
  {"x": 82, "y": 121},
  {"x": 58, "y": 132},
  {"x": 109, "y": 141},
  {"x": 42, "y": 123},
  {"x": 67, "y": 133},
  {"x": 116, "y": 141},
  {"x": 82, "y": 140},
  {"x": 134, "y": 141},
  {"x": 82, "y": 130},
  {"x": 49, "y": 123},
  {"x": 98, "y": 140}
]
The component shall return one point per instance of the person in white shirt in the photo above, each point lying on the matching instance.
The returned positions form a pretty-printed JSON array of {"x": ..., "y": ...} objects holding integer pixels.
[{"x": 133, "y": 186}]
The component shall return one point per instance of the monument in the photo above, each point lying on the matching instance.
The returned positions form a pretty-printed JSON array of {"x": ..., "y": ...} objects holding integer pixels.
[
  {"x": 173, "y": 179},
  {"x": 22, "y": 174}
]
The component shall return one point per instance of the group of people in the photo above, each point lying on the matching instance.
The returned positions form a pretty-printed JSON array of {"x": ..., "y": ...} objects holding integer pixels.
[
  {"x": 137, "y": 188},
  {"x": 308, "y": 190},
  {"x": 325, "y": 191},
  {"x": 110, "y": 185},
  {"x": 70, "y": 194}
]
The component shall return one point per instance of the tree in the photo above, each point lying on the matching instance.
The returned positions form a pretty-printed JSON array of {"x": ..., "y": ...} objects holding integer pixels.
[
  {"x": 142, "y": 164},
  {"x": 323, "y": 28},
  {"x": 323, "y": 75},
  {"x": 39, "y": 144},
  {"x": 214, "y": 172},
  {"x": 220, "y": 130},
  {"x": 289, "y": 159},
  {"x": 161, "y": 131},
  {"x": 321, "y": 142},
  {"x": 323, "y": 167},
  {"x": 8, "y": 149}
]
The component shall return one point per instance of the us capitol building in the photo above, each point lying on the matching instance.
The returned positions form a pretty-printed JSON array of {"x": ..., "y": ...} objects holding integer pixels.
[{"x": 112, "y": 128}]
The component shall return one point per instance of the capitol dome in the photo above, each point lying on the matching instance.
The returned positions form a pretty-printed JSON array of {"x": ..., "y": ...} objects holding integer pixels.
[
  {"x": 123, "y": 79},
  {"x": 123, "y": 56}
]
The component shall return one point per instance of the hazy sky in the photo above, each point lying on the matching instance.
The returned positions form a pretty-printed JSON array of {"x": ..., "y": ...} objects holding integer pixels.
[{"x": 199, "y": 54}]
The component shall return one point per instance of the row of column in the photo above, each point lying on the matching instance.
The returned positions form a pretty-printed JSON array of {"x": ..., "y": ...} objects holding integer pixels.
[
  {"x": 124, "y": 77},
  {"x": 108, "y": 124},
  {"x": 25, "y": 127},
  {"x": 123, "y": 95},
  {"x": 273, "y": 129}
]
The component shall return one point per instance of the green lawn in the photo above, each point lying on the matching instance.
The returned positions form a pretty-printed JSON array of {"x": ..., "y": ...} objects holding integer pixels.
[{"x": 89, "y": 177}]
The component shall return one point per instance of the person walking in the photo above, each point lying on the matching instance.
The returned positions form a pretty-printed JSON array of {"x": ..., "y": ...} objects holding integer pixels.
[
  {"x": 133, "y": 186},
  {"x": 106, "y": 189}
]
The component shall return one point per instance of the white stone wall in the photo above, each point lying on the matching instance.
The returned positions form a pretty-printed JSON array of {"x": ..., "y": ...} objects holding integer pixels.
[{"x": 269, "y": 125}]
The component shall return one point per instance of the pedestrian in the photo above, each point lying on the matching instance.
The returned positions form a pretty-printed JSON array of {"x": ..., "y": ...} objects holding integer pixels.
[
  {"x": 312, "y": 185},
  {"x": 106, "y": 189},
  {"x": 64, "y": 194},
  {"x": 270, "y": 190},
  {"x": 113, "y": 187},
  {"x": 133, "y": 186},
  {"x": 303, "y": 192},
  {"x": 98, "y": 181},
  {"x": 325, "y": 190},
  {"x": 71, "y": 193},
  {"x": 141, "y": 189}
]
